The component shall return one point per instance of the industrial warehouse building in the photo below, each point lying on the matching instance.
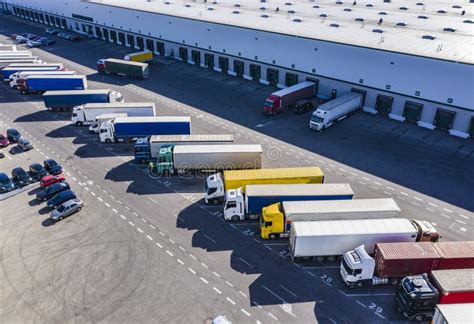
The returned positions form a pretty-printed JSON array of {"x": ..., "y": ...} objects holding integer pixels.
[{"x": 413, "y": 61}]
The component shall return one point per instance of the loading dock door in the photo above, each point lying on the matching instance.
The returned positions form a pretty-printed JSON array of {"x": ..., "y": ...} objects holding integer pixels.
[
  {"x": 196, "y": 56},
  {"x": 272, "y": 76},
  {"x": 150, "y": 45},
  {"x": 98, "y": 32},
  {"x": 223, "y": 64},
  {"x": 140, "y": 43},
  {"x": 131, "y": 40},
  {"x": 444, "y": 119},
  {"x": 316, "y": 82},
  {"x": 363, "y": 93},
  {"x": 255, "y": 71},
  {"x": 106, "y": 33},
  {"x": 239, "y": 68},
  {"x": 384, "y": 104},
  {"x": 113, "y": 36},
  {"x": 209, "y": 60},
  {"x": 291, "y": 79},
  {"x": 121, "y": 38},
  {"x": 412, "y": 111},
  {"x": 160, "y": 48},
  {"x": 471, "y": 128},
  {"x": 183, "y": 53}
]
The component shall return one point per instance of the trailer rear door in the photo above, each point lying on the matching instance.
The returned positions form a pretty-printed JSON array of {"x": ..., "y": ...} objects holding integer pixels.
[
  {"x": 471, "y": 128},
  {"x": 412, "y": 111},
  {"x": 384, "y": 104},
  {"x": 444, "y": 119}
]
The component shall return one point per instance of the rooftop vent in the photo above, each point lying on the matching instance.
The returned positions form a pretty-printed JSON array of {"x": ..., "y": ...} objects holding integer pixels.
[
  {"x": 449, "y": 29},
  {"x": 334, "y": 25},
  {"x": 210, "y": 8},
  {"x": 423, "y": 17},
  {"x": 263, "y": 8},
  {"x": 380, "y": 31},
  {"x": 167, "y": 2},
  {"x": 359, "y": 19},
  {"x": 347, "y": 9},
  {"x": 237, "y": 5},
  {"x": 264, "y": 16},
  {"x": 288, "y": 3},
  {"x": 235, "y": 12},
  {"x": 382, "y": 13},
  {"x": 187, "y": 5},
  {"x": 338, "y": 2},
  {"x": 457, "y": 7},
  {"x": 468, "y": 21},
  {"x": 420, "y": 4},
  {"x": 430, "y": 37},
  {"x": 369, "y": 5},
  {"x": 316, "y": 6},
  {"x": 291, "y": 11},
  {"x": 442, "y": 11},
  {"x": 403, "y": 8},
  {"x": 323, "y": 15},
  {"x": 297, "y": 20},
  {"x": 401, "y": 24}
]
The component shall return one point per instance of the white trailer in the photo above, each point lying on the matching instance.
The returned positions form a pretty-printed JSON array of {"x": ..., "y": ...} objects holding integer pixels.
[
  {"x": 23, "y": 75},
  {"x": 320, "y": 239},
  {"x": 95, "y": 126},
  {"x": 335, "y": 110},
  {"x": 86, "y": 114},
  {"x": 453, "y": 314}
]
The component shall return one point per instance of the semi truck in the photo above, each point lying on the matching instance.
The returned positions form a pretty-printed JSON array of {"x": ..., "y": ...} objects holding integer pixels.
[
  {"x": 126, "y": 129},
  {"x": 391, "y": 262},
  {"x": 335, "y": 110},
  {"x": 25, "y": 60},
  {"x": 24, "y": 74},
  {"x": 136, "y": 70},
  {"x": 15, "y": 53},
  {"x": 99, "y": 120},
  {"x": 331, "y": 239},
  {"x": 453, "y": 314},
  {"x": 240, "y": 206},
  {"x": 147, "y": 148},
  {"x": 277, "y": 218},
  {"x": 87, "y": 113},
  {"x": 66, "y": 100},
  {"x": 280, "y": 100},
  {"x": 9, "y": 70},
  {"x": 209, "y": 157},
  {"x": 38, "y": 84},
  {"x": 417, "y": 295},
  {"x": 143, "y": 56},
  {"x": 217, "y": 184}
]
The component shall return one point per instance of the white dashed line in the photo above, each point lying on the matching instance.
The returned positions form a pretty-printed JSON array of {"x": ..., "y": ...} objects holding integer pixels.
[
  {"x": 448, "y": 210},
  {"x": 230, "y": 301},
  {"x": 161, "y": 233},
  {"x": 106, "y": 204},
  {"x": 131, "y": 223},
  {"x": 204, "y": 265},
  {"x": 140, "y": 230},
  {"x": 377, "y": 183},
  {"x": 149, "y": 237},
  {"x": 457, "y": 220},
  {"x": 153, "y": 227},
  {"x": 115, "y": 210},
  {"x": 204, "y": 280},
  {"x": 404, "y": 193},
  {"x": 216, "y": 274},
  {"x": 192, "y": 256},
  {"x": 463, "y": 216},
  {"x": 245, "y": 312},
  {"x": 182, "y": 248},
  {"x": 135, "y": 213},
  {"x": 444, "y": 215},
  {"x": 229, "y": 284},
  {"x": 170, "y": 254},
  {"x": 243, "y": 294},
  {"x": 123, "y": 217},
  {"x": 217, "y": 290},
  {"x": 272, "y": 316},
  {"x": 159, "y": 245},
  {"x": 431, "y": 204},
  {"x": 179, "y": 261},
  {"x": 192, "y": 271},
  {"x": 416, "y": 198},
  {"x": 87, "y": 188},
  {"x": 171, "y": 241},
  {"x": 100, "y": 199}
]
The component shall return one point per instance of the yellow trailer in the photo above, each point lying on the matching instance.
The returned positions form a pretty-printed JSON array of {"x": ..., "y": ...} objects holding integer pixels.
[
  {"x": 218, "y": 184},
  {"x": 144, "y": 56}
]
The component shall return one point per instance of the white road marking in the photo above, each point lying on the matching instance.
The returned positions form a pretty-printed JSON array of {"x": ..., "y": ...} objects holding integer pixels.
[
  {"x": 204, "y": 280},
  {"x": 100, "y": 199},
  {"x": 444, "y": 215},
  {"x": 245, "y": 312},
  {"x": 204, "y": 265},
  {"x": 288, "y": 291},
  {"x": 416, "y": 198},
  {"x": 448, "y": 210},
  {"x": 170, "y": 254},
  {"x": 311, "y": 274},
  {"x": 153, "y": 227},
  {"x": 404, "y": 193},
  {"x": 247, "y": 263},
  {"x": 115, "y": 210},
  {"x": 230, "y": 301},
  {"x": 274, "y": 294},
  {"x": 135, "y": 213},
  {"x": 149, "y": 237},
  {"x": 161, "y": 233},
  {"x": 358, "y": 302},
  {"x": 210, "y": 238},
  {"x": 377, "y": 183},
  {"x": 192, "y": 256},
  {"x": 153, "y": 200},
  {"x": 272, "y": 316},
  {"x": 431, "y": 204},
  {"x": 463, "y": 216},
  {"x": 87, "y": 188},
  {"x": 131, "y": 223},
  {"x": 140, "y": 230},
  {"x": 182, "y": 248},
  {"x": 171, "y": 241},
  {"x": 243, "y": 294},
  {"x": 457, "y": 220},
  {"x": 216, "y": 274},
  {"x": 217, "y": 290},
  {"x": 123, "y": 217},
  {"x": 179, "y": 261},
  {"x": 229, "y": 284},
  {"x": 159, "y": 245},
  {"x": 106, "y": 204},
  {"x": 192, "y": 271}
]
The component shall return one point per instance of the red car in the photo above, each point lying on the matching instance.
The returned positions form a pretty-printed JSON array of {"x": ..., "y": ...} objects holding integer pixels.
[
  {"x": 4, "y": 141},
  {"x": 51, "y": 179}
]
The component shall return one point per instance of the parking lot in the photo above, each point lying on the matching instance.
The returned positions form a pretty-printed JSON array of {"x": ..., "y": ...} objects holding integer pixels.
[{"x": 147, "y": 249}]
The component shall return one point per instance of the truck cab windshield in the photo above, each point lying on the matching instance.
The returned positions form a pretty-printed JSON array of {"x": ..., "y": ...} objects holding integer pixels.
[
  {"x": 317, "y": 119},
  {"x": 268, "y": 103},
  {"x": 348, "y": 269}
]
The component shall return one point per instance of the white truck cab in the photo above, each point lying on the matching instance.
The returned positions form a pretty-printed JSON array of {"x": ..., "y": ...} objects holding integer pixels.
[
  {"x": 77, "y": 115},
  {"x": 234, "y": 205},
  {"x": 335, "y": 110},
  {"x": 107, "y": 132},
  {"x": 95, "y": 126},
  {"x": 115, "y": 96},
  {"x": 357, "y": 267},
  {"x": 214, "y": 189}
]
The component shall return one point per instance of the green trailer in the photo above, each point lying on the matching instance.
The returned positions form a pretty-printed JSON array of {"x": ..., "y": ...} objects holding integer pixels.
[{"x": 137, "y": 70}]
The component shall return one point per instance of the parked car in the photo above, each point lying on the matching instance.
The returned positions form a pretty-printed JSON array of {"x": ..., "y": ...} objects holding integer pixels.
[
  {"x": 61, "y": 197},
  {"x": 37, "y": 171},
  {"x": 13, "y": 135},
  {"x": 52, "y": 166},
  {"x": 63, "y": 35},
  {"x": 29, "y": 35},
  {"x": 75, "y": 37},
  {"x": 66, "y": 209},
  {"x": 52, "y": 190},
  {"x": 25, "y": 144},
  {"x": 6, "y": 184},
  {"x": 20, "y": 177},
  {"x": 32, "y": 44},
  {"x": 52, "y": 31},
  {"x": 13, "y": 36},
  {"x": 302, "y": 106},
  {"x": 2, "y": 155},
  {"x": 21, "y": 39},
  {"x": 4, "y": 142},
  {"x": 46, "y": 41},
  {"x": 48, "y": 180}
]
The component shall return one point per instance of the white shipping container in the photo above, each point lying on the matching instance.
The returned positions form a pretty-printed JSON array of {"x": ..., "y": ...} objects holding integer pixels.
[
  {"x": 454, "y": 314},
  {"x": 336, "y": 109},
  {"x": 334, "y": 238},
  {"x": 86, "y": 114},
  {"x": 217, "y": 157}
]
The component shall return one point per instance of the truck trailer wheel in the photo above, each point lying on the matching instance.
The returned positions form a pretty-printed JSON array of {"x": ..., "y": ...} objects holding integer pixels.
[
  {"x": 235, "y": 218},
  {"x": 419, "y": 318},
  {"x": 108, "y": 140},
  {"x": 78, "y": 123},
  {"x": 273, "y": 236}
]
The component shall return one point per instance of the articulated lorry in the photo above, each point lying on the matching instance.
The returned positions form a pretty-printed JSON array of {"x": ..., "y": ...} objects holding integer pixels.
[
  {"x": 282, "y": 99},
  {"x": 391, "y": 262},
  {"x": 15, "y": 53},
  {"x": 276, "y": 219},
  {"x": 99, "y": 120},
  {"x": 335, "y": 110},
  {"x": 67, "y": 100},
  {"x": 417, "y": 295},
  {"x": 86, "y": 114},
  {"x": 38, "y": 84},
  {"x": 25, "y": 74},
  {"x": 331, "y": 239},
  {"x": 217, "y": 184},
  {"x": 9, "y": 70},
  {"x": 147, "y": 148},
  {"x": 249, "y": 205},
  {"x": 127, "y": 129},
  {"x": 24, "y": 60},
  {"x": 209, "y": 157},
  {"x": 453, "y": 313},
  {"x": 144, "y": 56},
  {"x": 136, "y": 70}
]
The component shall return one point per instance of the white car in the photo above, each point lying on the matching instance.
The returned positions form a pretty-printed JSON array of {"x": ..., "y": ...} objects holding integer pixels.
[{"x": 66, "y": 209}]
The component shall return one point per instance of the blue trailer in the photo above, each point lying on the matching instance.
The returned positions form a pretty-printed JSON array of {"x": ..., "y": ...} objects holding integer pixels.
[
  {"x": 66, "y": 100},
  {"x": 125, "y": 129},
  {"x": 38, "y": 84},
  {"x": 250, "y": 204}
]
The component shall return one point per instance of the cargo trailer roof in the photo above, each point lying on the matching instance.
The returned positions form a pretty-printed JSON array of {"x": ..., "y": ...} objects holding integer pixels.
[
  {"x": 56, "y": 77},
  {"x": 306, "y": 189},
  {"x": 408, "y": 250},
  {"x": 457, "y": 249},
  {"x": 192, "y": 138},
  {"x": 225, "y": 148},
  {"x": 31, "y": 68},
  {"x": 457, "y": 313},
  {"x": 127, "y": 62},
  {"x": 65, "y": 92},
  {"x": 291, "y": 89},
  {"x": 340, "y": 206},
  {"x": 354, "y": 226},
  {"x": 273, "y": 173},
  {"x": 112, "y": 115},
  {"x": 338, "y": 101},
  {"x": 138, "y": 53},
  {"x": 178, "y": 119},
  {"x": 454, "y": 280},
  {"x": 118, "y": 104}
]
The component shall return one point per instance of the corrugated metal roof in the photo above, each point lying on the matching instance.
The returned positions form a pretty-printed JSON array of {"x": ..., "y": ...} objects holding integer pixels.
[
  {"x": 273, "y": 173},
  {"x": 299, "y": 189},
  {"x": 458, "y": 249},
  {"x": 341, "y": 206},
  {"x": 119, "y": 105},
  {"x": 63, "y": 92},
  {"x": 454, "y": 280},
  {"x": 192, "y": 138},
  {"x": 224, "y": 148},
  {"x": 408, "y": 250}
]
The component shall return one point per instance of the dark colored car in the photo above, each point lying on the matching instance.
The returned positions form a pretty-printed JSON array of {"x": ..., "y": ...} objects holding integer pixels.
[
  {"x": 52, "y": 190},
  {"x": 6, "y": 184},
  {"x": 37, "y": 171},
  {"x": 52, "y": 166},
  {"x": 52, "y": 31},
  {"x": 20, "y": 177},
  {"x": 4, "y": 141},
  {"x": 13, "y": 36},
  {"x": 13, "y": 135},
  {"x": 302, "y": 106},
  {"x": 61, "y": 197},
  {"x": 46, "y": 41}
]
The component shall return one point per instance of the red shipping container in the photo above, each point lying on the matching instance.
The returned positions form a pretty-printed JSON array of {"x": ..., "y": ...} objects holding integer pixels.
[
  {"x": 455, "y": 255},
  {"x": 454, "y": 286}
]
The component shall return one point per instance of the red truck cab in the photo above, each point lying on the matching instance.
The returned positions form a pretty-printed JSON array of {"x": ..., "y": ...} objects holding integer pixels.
[
  {"x": 272, "y": 105},
  {"x": 100, "y": 66}
]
